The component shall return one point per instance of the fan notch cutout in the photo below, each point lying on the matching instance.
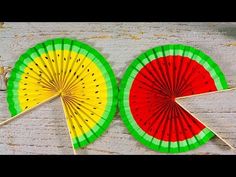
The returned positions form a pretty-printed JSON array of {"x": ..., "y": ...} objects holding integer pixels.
[{"x": 209, "y": 103}]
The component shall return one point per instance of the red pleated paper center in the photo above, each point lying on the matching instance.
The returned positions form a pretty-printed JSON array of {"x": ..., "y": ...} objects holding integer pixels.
[{"x": 153, "y": 93}]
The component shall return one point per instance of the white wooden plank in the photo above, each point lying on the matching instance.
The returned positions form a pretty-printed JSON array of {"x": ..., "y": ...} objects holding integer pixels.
[{"x": 120, "y": 43}]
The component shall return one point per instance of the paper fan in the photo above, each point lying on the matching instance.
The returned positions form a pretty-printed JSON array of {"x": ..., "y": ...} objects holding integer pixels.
[
  {"x": 74, "y": 71},
  {"x": 147, "y": 96}
]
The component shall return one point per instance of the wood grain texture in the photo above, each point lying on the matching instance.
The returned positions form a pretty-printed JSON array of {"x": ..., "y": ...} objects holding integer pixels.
[
  {"x": 44, "y": 131},
  {"x": 221, "y": 112}
]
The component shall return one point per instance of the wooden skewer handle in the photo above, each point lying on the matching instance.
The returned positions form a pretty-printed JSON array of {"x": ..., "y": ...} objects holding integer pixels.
[
  {"x": 64, "y": 109},
  {"x": 206, "y": 93},
  {"x": 18, "y": 115}
]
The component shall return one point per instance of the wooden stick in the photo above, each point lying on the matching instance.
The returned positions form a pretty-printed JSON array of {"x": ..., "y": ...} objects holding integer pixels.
[
  {"x": 18, "y": 115},
  {"x": 202, "y": 122},
  {"x": 206, "y": 93},
  {"x": 64, "y": 109}
]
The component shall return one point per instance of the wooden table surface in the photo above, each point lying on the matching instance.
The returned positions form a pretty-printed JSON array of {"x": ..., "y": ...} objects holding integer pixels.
[{"x": 44, "y": 131}]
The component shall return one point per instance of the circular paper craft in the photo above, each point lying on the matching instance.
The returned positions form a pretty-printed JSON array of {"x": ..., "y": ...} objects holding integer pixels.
[
  {"x": 147, "y": 96},
  {"x": 78, "y": 74}
]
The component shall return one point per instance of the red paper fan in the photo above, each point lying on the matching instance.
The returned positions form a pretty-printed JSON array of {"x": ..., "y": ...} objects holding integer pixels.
[{"x": 148, "y": 91}]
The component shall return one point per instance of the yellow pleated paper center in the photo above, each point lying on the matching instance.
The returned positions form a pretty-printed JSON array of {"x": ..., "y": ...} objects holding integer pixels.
[{"x": 77, "y": 78}]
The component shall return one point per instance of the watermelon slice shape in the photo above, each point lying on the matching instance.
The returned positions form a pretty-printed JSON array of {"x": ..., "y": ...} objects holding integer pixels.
[
  {"x": 147, "y": 96},
  {"x": 76, "y": 73}
]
